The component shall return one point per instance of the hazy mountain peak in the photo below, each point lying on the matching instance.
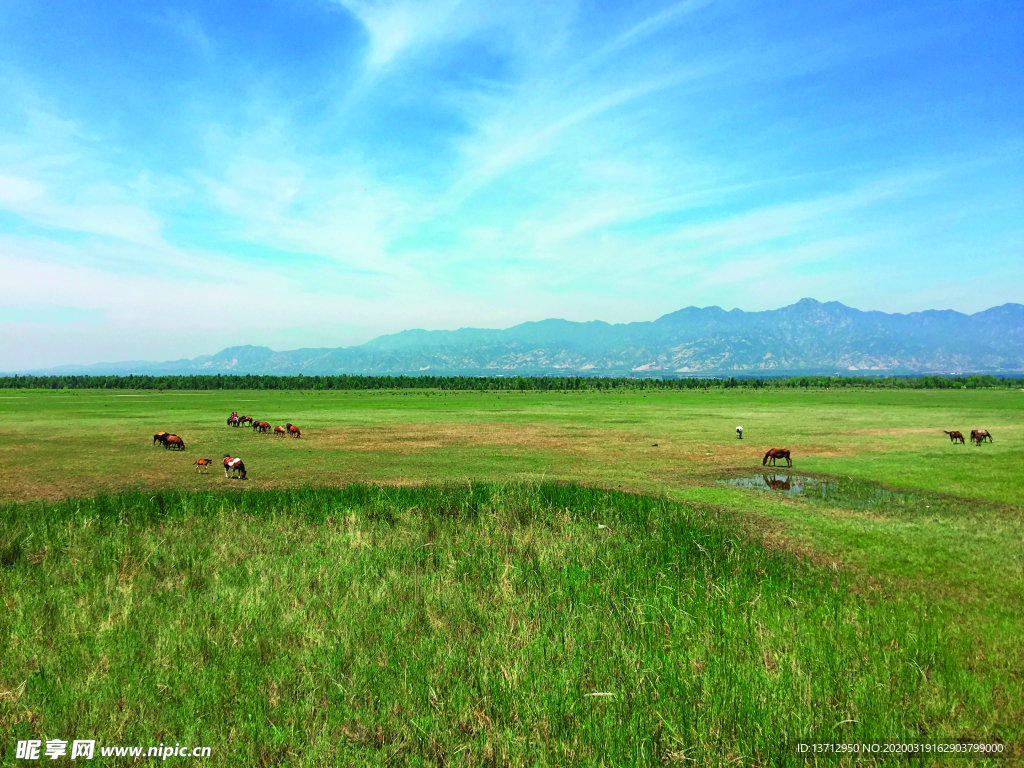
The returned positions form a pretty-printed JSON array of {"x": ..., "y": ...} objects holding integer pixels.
[{"x": 806, "y": 336}]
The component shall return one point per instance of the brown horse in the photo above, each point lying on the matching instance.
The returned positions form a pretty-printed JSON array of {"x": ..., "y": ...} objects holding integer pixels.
[
  {"x": 202, "y": 465},
  {"x": 234, "y": 421},
  {"x": 281, "y": 431},
  {"x": 260, "y": 426},
  {"x": 173, "y": 441},
  {"x": 979, "y": 436},
  {"x": 956, "y": 436},
  {"x": 293, "y": 431},
  {"x": 244, "y": 420},
  {"x": 777, "y": 453},
  {"x": 233, "y": 466},
  {"x": 160, "y": 437}
]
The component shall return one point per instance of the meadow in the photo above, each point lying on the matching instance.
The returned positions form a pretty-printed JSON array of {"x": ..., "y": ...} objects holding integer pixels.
[{"x": 516, "y": 578}]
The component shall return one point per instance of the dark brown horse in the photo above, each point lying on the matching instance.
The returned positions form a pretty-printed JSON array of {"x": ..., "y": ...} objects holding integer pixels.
[
  {"x": 175, "y": 442},
  {"x": 160, "y": 437},
  {"x": 979, "y": 436},
  {"x": 777, "y": 453},
  {"x": 261, "y": 426},
  {"x": 244, "y": 420},
  {"x": 956, "y": 436},
  {"x": 293, "y": 431},
  {"x": 234, "y": 421}
]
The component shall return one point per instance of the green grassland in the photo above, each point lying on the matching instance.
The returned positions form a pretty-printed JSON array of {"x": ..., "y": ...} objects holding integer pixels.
[
  {"x": 75, "y": 442},
  {"x": 462, "y": 604}
]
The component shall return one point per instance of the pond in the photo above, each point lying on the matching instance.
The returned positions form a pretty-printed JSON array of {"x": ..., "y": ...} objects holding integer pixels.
[{"x": 842, "y": 491}]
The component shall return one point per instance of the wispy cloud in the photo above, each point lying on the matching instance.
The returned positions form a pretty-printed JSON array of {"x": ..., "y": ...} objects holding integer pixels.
[
  {"x": 651, "y": 25},
  {"x": 188, "y": 27},
  {"x": 29, "y": 199},
  {"x": 397, "y": 27}
]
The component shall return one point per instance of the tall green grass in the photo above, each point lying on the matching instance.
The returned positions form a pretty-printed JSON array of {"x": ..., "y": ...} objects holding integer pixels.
[{"x": 473, "y": 624}]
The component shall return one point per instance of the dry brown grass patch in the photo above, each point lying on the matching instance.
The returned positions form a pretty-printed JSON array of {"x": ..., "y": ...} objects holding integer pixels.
[
  {"x": 414, "y": 437},
  {"x": 755, "y": 453},
  {"x": 898, "y": 431}
]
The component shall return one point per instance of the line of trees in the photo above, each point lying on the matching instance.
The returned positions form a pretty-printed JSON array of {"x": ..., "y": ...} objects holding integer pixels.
[{"x": 501, "y": 383}]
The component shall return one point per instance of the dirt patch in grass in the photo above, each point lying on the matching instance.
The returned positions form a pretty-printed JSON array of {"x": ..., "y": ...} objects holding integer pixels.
[
  {"x": 412, "y": 438},
  {"x": 897, "y": 431},
  {"x": 16, "y": 448},
  {"x": 23, "y": 489},
  {"x": 755, "y": 453},
  {"x": 17, "y": 488}
]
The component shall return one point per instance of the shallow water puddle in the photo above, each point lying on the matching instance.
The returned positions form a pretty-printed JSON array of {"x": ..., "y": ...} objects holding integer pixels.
[{"x": 844, "y": 492}]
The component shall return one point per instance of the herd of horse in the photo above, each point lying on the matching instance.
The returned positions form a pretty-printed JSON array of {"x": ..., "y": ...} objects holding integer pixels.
[
  {"x": 233, "y": 467},
  {"x": 978, "y": 436},
  {"x": 288, "y": 430},
  {"x": 169, "y": 441}
]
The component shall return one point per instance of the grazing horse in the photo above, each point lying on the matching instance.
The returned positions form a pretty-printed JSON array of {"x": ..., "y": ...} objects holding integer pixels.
[
  {"x": 232, "y": 466},
  {"x": 979, "y": 436},
  {"x": 173, "y": 441},
  {"x": 777, "y": 453},
  {"x": 293, "y": 431},
  {"x": 202, "y": 465},
  {"x": 739, "y": 433},
  {"x": 244, "y": 420},
  {"x": 260, "y": 426},
  {"x": 160, "y": 437},
  {"x": 281, "y": 431},
  {"x": 956, "y": 436}
]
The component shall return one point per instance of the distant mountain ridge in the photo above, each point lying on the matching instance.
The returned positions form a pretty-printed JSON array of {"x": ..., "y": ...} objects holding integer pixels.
[{"x": 801, "y": 338}]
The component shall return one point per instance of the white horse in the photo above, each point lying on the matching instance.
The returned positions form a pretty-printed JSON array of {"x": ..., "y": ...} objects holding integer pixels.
[{"x": 739, "y": 433}]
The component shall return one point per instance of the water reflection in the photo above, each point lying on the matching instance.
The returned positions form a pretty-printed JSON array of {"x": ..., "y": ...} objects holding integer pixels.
[{"x": 847, "y": 492}]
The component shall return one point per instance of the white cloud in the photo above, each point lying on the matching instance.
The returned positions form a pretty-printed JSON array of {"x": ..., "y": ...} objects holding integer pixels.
[
  {"x": 16, "y": 191},
  {"x": 28, "y": 198},
  {"x": 349, "y": 218},
  {"x": 395, "y": 27}
]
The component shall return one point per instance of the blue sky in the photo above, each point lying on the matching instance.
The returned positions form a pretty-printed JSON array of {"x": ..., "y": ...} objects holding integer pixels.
[{"x": 179, "y": 178}]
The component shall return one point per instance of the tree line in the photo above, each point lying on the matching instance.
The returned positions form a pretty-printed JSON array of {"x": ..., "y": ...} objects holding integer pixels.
[{"x": 500, "y": 383}]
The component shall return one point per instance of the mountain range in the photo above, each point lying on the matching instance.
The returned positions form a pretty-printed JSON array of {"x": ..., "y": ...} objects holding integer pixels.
[{"x": 806, "y": 337}]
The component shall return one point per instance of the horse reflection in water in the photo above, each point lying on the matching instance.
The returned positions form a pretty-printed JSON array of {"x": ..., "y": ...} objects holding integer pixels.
[{"x": 777, "y": 482}]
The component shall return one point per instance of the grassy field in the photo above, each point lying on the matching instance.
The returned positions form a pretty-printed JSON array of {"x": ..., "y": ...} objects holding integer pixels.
[
  {"x": 74, "y": 443},
  {"x": 463, "y": 608}
]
